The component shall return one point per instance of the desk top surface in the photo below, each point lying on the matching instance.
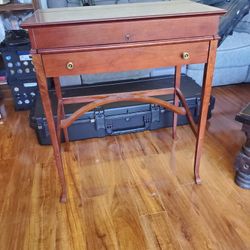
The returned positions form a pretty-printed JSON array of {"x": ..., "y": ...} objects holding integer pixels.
[{"x": 90, "y": 14}]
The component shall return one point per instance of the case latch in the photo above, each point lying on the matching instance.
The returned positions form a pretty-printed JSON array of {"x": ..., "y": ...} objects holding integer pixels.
[
  {"x": 99, "y": 119},
  {"x": 147, "y": 121},
  {"x": 155, "y": 110},
  {"x": 198, "y": 107}
]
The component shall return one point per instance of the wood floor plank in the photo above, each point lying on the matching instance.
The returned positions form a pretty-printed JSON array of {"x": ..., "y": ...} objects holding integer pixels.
[
  {"x": 159, "y": 232},
  {"x": 98, "y": 178},
  {"x": 15, "y": 202},
  {"x": 183, "y": 217},
  {"x": 113, "y": 222},
  {"x": 219, "y": 207},
  {"x": 71, "y": 159},
  {"x": 6, "y": 173},
  {"x": 15, "y": 236},
  {"x": 9, "y": 139},
  {"x": 126, "y": 221},
  {"x": 41, "y": 230},
  {"x": 226, "y": 227},
  {"x": 142, "y": 188},
  {"x": 70, "y": 222},
  {"x": 101, "y": 233},
  {"x": 71, "y": 230}
]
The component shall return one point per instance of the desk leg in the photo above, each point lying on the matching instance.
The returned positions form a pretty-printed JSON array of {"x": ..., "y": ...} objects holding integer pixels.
[
  {"x": 177, "y": 83},
  {"x": 206, "y": 94},
  {"x": 60, "y": 112},
  {"x": 42, "y": 82}
]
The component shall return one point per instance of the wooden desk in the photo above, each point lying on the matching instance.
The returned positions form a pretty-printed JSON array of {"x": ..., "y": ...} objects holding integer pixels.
[{"x": 118, "y": 38}]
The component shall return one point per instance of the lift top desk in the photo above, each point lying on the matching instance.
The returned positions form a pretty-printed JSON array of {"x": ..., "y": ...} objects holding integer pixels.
[{"x": 125, "y": 37}]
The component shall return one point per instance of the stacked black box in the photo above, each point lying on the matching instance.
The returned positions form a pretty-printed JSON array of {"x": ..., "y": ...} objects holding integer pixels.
[{"x": 19, "y": 68}]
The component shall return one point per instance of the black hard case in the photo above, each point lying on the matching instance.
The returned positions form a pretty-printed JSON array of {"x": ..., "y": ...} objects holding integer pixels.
[{"x": 122, "y": 117}]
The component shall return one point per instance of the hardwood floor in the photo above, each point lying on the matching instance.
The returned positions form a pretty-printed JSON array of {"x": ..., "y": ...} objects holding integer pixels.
[{"x": 126, "y": 192}]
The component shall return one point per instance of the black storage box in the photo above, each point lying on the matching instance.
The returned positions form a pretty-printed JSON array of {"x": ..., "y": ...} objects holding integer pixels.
[
  {"x": 24, "y": 93},
  {"x": 19, "y": 69},
  {"x": 122, "y": 117},
  {"x": 16, "y": 55}
]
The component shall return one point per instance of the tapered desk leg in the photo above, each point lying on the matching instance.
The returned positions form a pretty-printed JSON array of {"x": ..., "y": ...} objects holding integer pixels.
[
  {"x": 177, "y": 82},
  {"x": 206, "y": 94},
  {"x": 42, "y": 82},
  {"x": 60, "y": 112}
]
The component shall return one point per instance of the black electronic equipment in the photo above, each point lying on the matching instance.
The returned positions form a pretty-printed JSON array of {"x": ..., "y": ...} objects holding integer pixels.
[
  {"x": 20, "y": 72},
  {"x": 24, "y": 93},
  {"x": 16, "y": 55}
]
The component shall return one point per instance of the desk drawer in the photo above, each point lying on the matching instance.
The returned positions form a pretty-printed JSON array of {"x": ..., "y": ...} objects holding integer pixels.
[
  {"x": 123, "y": 59},
  {"x": 124, "y": 32}
]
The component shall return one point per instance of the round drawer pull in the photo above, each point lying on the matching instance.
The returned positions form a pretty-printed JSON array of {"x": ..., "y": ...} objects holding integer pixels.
[
  {"x": 127, "y": 37},
  {"x": 185, "y": 55},
  {"x": 70, "y": 65}
]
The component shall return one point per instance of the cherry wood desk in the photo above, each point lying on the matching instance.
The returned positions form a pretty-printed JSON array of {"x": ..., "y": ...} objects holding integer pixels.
[{"x": 119, "y": 38}]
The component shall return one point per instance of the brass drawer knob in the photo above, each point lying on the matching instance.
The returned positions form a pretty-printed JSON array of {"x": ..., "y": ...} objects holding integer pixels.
[
  {"x": 185, "y": 55},
  {"x": 70, "y": 65}
]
